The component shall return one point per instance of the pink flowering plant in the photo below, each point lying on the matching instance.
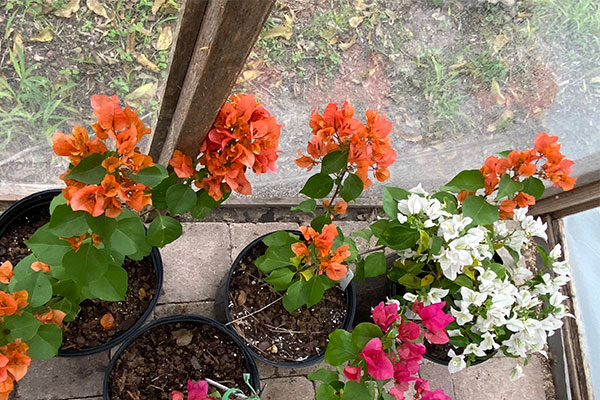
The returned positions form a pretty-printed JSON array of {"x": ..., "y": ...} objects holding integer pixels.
[
  {"x": 381, "y": 360},
  {"x": 199, "y": 391}
]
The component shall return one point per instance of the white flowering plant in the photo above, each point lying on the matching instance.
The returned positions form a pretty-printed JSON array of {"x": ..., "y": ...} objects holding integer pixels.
[{"x": 463, "y": 245}]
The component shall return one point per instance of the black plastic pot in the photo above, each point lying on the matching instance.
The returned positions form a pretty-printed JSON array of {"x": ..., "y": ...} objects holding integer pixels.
[
  {"x": 40, "y": 200},
  {"x": 222, "y": 309},
  {"x": 248, "y": 360}
]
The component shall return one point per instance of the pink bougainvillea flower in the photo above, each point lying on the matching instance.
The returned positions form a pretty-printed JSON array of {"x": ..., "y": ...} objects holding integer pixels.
[
  {"x": 398, "y": 390},
  {"x": 198, "y": 390},
  {"x": 379, "y": 365},
  {"x": 353, "y": 373},
  {"x": 408, "y": 330},
  {"x": 175, "y": 395},
  {"x": 435, "y": 320},
  {"x": 385, "y": 315},
  {"x": 438, "y": 394}
]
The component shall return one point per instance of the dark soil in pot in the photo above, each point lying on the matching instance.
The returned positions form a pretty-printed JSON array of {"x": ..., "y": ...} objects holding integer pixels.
[
  {"x": 86, "y": 332},
  {"x": 273, "y": 333},
  {"x": 165, "y": 357}
]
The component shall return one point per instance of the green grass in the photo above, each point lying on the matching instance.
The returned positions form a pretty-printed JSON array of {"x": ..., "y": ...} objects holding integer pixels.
[
  {"x": 578, "y": 20},
  {"x": 487, "y": 66},
  {"x": 32, "y": 106}
]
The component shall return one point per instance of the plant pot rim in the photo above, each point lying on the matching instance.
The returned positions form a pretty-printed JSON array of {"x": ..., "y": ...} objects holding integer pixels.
[
  {"x": 38, "y": 199},
  {"x": 350, "y": 293},
  {"x": 251, "y": 367}
]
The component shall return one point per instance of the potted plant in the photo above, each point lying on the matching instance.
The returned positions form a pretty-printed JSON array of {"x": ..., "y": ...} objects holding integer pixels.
[
  {"x": 448, "y": 247},
  {"x": 382, "y": 359},
  {"x": 286, "y": 291},
  {"x": 96, "y": 222}
]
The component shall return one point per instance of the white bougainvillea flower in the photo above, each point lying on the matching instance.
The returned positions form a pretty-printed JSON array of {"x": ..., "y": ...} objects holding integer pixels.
[
  {"x": 516, "y": 373},
  {"x": 457, "y": 362}
]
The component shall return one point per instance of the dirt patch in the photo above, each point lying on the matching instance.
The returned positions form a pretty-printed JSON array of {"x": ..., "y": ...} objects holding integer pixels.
[
  {"x": 163, "y": 358},
  {"x": 274, "y": 333},
  {"x": 86, "y": 330}
]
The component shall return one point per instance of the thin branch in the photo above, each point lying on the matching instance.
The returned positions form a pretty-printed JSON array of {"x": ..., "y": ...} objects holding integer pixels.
[
  {"x": 255, "y": 312},
  {"x": 372, "y": 250}
]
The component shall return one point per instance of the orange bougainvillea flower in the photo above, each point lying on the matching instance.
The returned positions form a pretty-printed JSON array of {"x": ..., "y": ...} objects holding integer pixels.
[
  {"x": 111, "y": 164},
  {"x": 52, "y": 317},
  {"x": 341, "y": 207},
  {"x": 335, "y": 271},
  {"x": 107, "y": 321},
  {"x": 21, "y": 299},
  {"x": 18, "y": 360},
  {"x": 135, "y": 195},
  {"x": 6, "y": 386},
  {"x": 8, "y": 305},
  {"x": 6, "y": 272},
  {"x": 40, "y": 266},
  {"x": 324, "y": 241},
  {"x": 309, "y": 233},
  {"x": 300, "y": 249},
  {"x": 182, "y": 165},
  {"x": 75, "y": 241}
]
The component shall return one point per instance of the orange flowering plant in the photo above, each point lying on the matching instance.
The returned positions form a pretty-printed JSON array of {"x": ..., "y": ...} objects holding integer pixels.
[
  {"x": 347, "y": 150},
  {"x": 29, "y": 320}
]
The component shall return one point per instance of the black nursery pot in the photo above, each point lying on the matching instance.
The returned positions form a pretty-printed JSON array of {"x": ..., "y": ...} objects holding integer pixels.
[
  {"x": 41, "y": 200},
  {"x": 249, "y": 363},
  {"x": 223, "y": 314}
]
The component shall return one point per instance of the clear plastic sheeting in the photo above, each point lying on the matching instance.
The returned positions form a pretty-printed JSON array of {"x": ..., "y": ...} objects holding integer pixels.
[
  {"x": 459, "y": 79},
  {"x": 583, "y": 241}
]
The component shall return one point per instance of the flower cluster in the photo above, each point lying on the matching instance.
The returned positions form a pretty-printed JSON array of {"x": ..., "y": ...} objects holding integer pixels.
[
  {"x": 319, "y": 251},
  {"x": 244, "y": 135},
  {"x": 199, "y": 391},
  {"x": 392, "y": 351},
  {"x": 368, "y": 146},
  {"x": 114, "y": 186},
  {"x": 14, "y": 363},
  {"x": 196, "y": 391},
  {"x": 521, "y": 165}
]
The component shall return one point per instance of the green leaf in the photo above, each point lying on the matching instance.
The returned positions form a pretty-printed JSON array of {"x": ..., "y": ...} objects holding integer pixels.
[
  {"x": 112, "y": 286},
  {"x": 319, "y": 222},
  {"x": 274, "y": 258},
  {"x": 411, "y": 281},
  {"x": 68, "y": 289},
  {"x": 323, "y": 375},
  {"x": 340, "y": 348},
  {"x": 507, "y": 187},
  {"x": 436, "y": 245},
  {"x": 399, "y": 237},
  {"x": 465, "y": 281},
  {"x": 317, "y": 186},
  {"x": 375, "y": 265},
  {"x": 459, "y": 341},
  {"x": 423, "y": 241},
  {"x": 151, "y": 176},
  {"x": 359, "y": 274},
  {"x": 280, "y": 238},
  {"x": 308, "y": 206},
  {"x": 37, "y": 284},
  {"x": 326, "y": 392},
  {"x": 314, "y": 290},
  {"x": 57, "y": 201},
  {"x": 89, "y": 170},
  {"x": 180, "y": 198},
  {"x": 448, "y": 200},
  {"x": 129, "y": 236},
  {"x": 469, "y": 180},
  {"x": 534, "y": 187},
  {"x": 280, "y": 278},
  {"x": 505, "y": 153},
  {"x": 86, "y": 264},
  {"x": 66, "y": 223},
  {"x": 294, "y": 297},
  {"x": 47, "y": 247},
  {"x": 163, "y": 230},
  {"x": 499, "y": 269},
  {"x": 352, "y": 187},
  {"x": 102, "y": 225},
  {"x": 364, "y": 233},
  {"x": 159, "y": 193},
  {"x": 391, "y": 197},
  {"x": 358, "y": 391},
  {"x": 334, "y": 162},
  {"x": 22, "y": 326},
  {"x": 363, "y": 333},
  {"x": 480, "y": 211},
  {"x": 45, "y": 343},
  {"x": 69, "y": 308}
]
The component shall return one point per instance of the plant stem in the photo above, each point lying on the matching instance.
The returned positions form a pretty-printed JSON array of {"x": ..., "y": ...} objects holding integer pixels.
[
  {"x": 337, "y": 190},
  {"x": 255, "y": 312},
  {"x": 225, "y": 388},
  {"x": 372, "y": 250}
]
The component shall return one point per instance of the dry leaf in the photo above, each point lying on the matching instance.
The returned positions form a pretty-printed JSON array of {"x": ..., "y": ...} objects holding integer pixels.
[
  {"x": 107, "y": 321},
  {"x": 139, "y": 95},
  {"x": 595, "y": 79},
  {"x": 328, "y": 34},
  {"x": 130, "y": 42},
  {"x": 355, "y": 21},
  {"x": 506, "y": 115},
  {"x": 97, "y": 8},
  {"x": 164, "y": 39},
  {"x": 68, "y": 10},
  {"x": 496, "y": 94},
  {"x": 44, "y": 36},
  {"x": 251, "y": 74},
  {"x": 157, "y": 5},
  {"x": 286, "y": 29},
  {"x": 500, "y": 41},
  {"x": 144, "y": 62},
  {"x": 241, "y": 299},
  {"x": 183, "y": 337},
  {"x": 346, "y": 45},
  {"x": 142, "y": 293},
  {"x": 18, "y": 44}
]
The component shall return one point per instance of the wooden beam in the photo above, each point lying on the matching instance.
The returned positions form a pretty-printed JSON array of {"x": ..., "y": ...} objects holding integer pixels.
[
  {"x": 186, "y": 35},
  {"x": 566, "y": 203},
  {"x": 228, "y": 32}
]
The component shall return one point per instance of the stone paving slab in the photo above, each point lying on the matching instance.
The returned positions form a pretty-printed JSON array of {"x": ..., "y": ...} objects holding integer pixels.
[{"x": 194, "y": 266}]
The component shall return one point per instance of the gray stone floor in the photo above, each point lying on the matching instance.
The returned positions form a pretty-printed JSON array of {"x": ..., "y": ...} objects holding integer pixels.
[{"x": 194, "y": 266}]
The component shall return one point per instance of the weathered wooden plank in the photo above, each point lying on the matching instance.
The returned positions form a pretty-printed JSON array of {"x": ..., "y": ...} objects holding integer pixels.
[
  {"x": 566, "y": 203},
  {"x": 228, "y": 32},
  {"x": 186, "y": 35}
]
